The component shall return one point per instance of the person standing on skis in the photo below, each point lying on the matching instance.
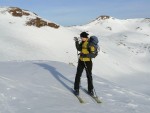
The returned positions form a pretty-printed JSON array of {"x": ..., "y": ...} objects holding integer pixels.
[{"x": 87, "y": 52}]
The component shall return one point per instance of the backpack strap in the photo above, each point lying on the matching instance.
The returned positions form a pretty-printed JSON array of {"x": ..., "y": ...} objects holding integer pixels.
[{"x": 92, "y": 50}]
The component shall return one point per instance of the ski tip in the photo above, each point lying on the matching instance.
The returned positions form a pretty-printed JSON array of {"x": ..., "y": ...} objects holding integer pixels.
[
  {"x": 97, "y": 100},
  {"x": 80, "y": 100}
]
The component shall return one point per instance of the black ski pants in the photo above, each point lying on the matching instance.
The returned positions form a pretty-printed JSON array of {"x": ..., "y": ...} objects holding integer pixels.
[{"x": 88, "y": 69}]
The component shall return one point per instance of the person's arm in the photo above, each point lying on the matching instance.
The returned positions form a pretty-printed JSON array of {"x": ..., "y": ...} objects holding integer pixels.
[{"x": 78, "y": 45}]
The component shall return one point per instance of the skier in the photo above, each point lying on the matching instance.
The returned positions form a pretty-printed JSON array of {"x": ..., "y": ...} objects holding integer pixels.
[{"x": 85, "y": 62}]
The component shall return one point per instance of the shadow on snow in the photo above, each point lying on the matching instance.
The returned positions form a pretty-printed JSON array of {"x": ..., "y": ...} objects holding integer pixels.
[{"x": 57, "y": 75}]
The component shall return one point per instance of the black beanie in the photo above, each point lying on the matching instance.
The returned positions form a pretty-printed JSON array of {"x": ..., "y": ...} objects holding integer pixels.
[{"x": 84, "y": 34}]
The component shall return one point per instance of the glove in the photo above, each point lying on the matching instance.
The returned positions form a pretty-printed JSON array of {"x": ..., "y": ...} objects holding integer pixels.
[
  {"x": 75, "y": 39},
  {"x": 83, "y": 55}
]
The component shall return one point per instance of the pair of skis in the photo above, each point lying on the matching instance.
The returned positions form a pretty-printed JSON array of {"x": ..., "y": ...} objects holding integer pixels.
[{"x": 95, "y": 98}]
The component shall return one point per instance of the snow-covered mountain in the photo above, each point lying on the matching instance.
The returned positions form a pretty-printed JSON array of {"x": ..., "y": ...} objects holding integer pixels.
[
  {"x": 125, "y": 50},
  {"x": 124, "y": 59},
  {"x": 125, "y": 44},
  {"x": 29, "y": 37}
]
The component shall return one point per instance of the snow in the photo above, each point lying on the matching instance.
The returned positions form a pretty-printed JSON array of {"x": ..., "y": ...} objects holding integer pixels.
[
  {"x": 31, "y": 43},
  {"x": 125, "y": 51},
  {"x": 38, "y": 66},
  {"x": 46, "y": 86}
]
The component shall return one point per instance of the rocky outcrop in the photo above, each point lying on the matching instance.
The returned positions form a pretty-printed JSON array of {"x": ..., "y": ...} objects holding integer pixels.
[
  {"x": 103, "y": 17},
  {"x": 38, "y": 22},
  {"x": 18, "y": 12}
]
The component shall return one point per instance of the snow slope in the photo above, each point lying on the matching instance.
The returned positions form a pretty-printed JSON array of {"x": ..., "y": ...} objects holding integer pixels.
[
  {"x": 125, "y": 50},
  {"x": 21, "y": 42},
  {"x": 125, "y": 46},
  {"x": 46, "y": 87}
]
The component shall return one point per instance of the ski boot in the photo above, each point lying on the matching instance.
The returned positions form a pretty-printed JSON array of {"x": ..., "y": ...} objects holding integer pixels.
[
  {"x": 91, "y": 93},
  {"x": 76, "y": 92}
]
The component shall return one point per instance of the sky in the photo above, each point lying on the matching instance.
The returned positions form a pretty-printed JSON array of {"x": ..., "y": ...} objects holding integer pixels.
[{"x": 80, "y": 12}]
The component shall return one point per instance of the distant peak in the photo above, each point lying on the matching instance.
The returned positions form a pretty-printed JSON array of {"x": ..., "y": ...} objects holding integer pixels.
[
  {"x": 147, "y": 20},
  {"x": 103, "y": 17},
  {"x": 32, "y": 20}
]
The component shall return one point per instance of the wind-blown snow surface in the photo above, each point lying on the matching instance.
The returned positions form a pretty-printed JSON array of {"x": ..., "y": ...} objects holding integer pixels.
[{"x": 46, "y": 87}]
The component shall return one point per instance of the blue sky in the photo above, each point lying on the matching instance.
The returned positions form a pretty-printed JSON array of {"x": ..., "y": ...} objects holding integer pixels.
[{"x": 79, "y": 12}]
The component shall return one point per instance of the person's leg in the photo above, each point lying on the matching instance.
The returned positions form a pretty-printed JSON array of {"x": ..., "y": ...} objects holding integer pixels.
[
  {"x": 78, "y": 74},
  {"x": 89, "y": 75}
]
